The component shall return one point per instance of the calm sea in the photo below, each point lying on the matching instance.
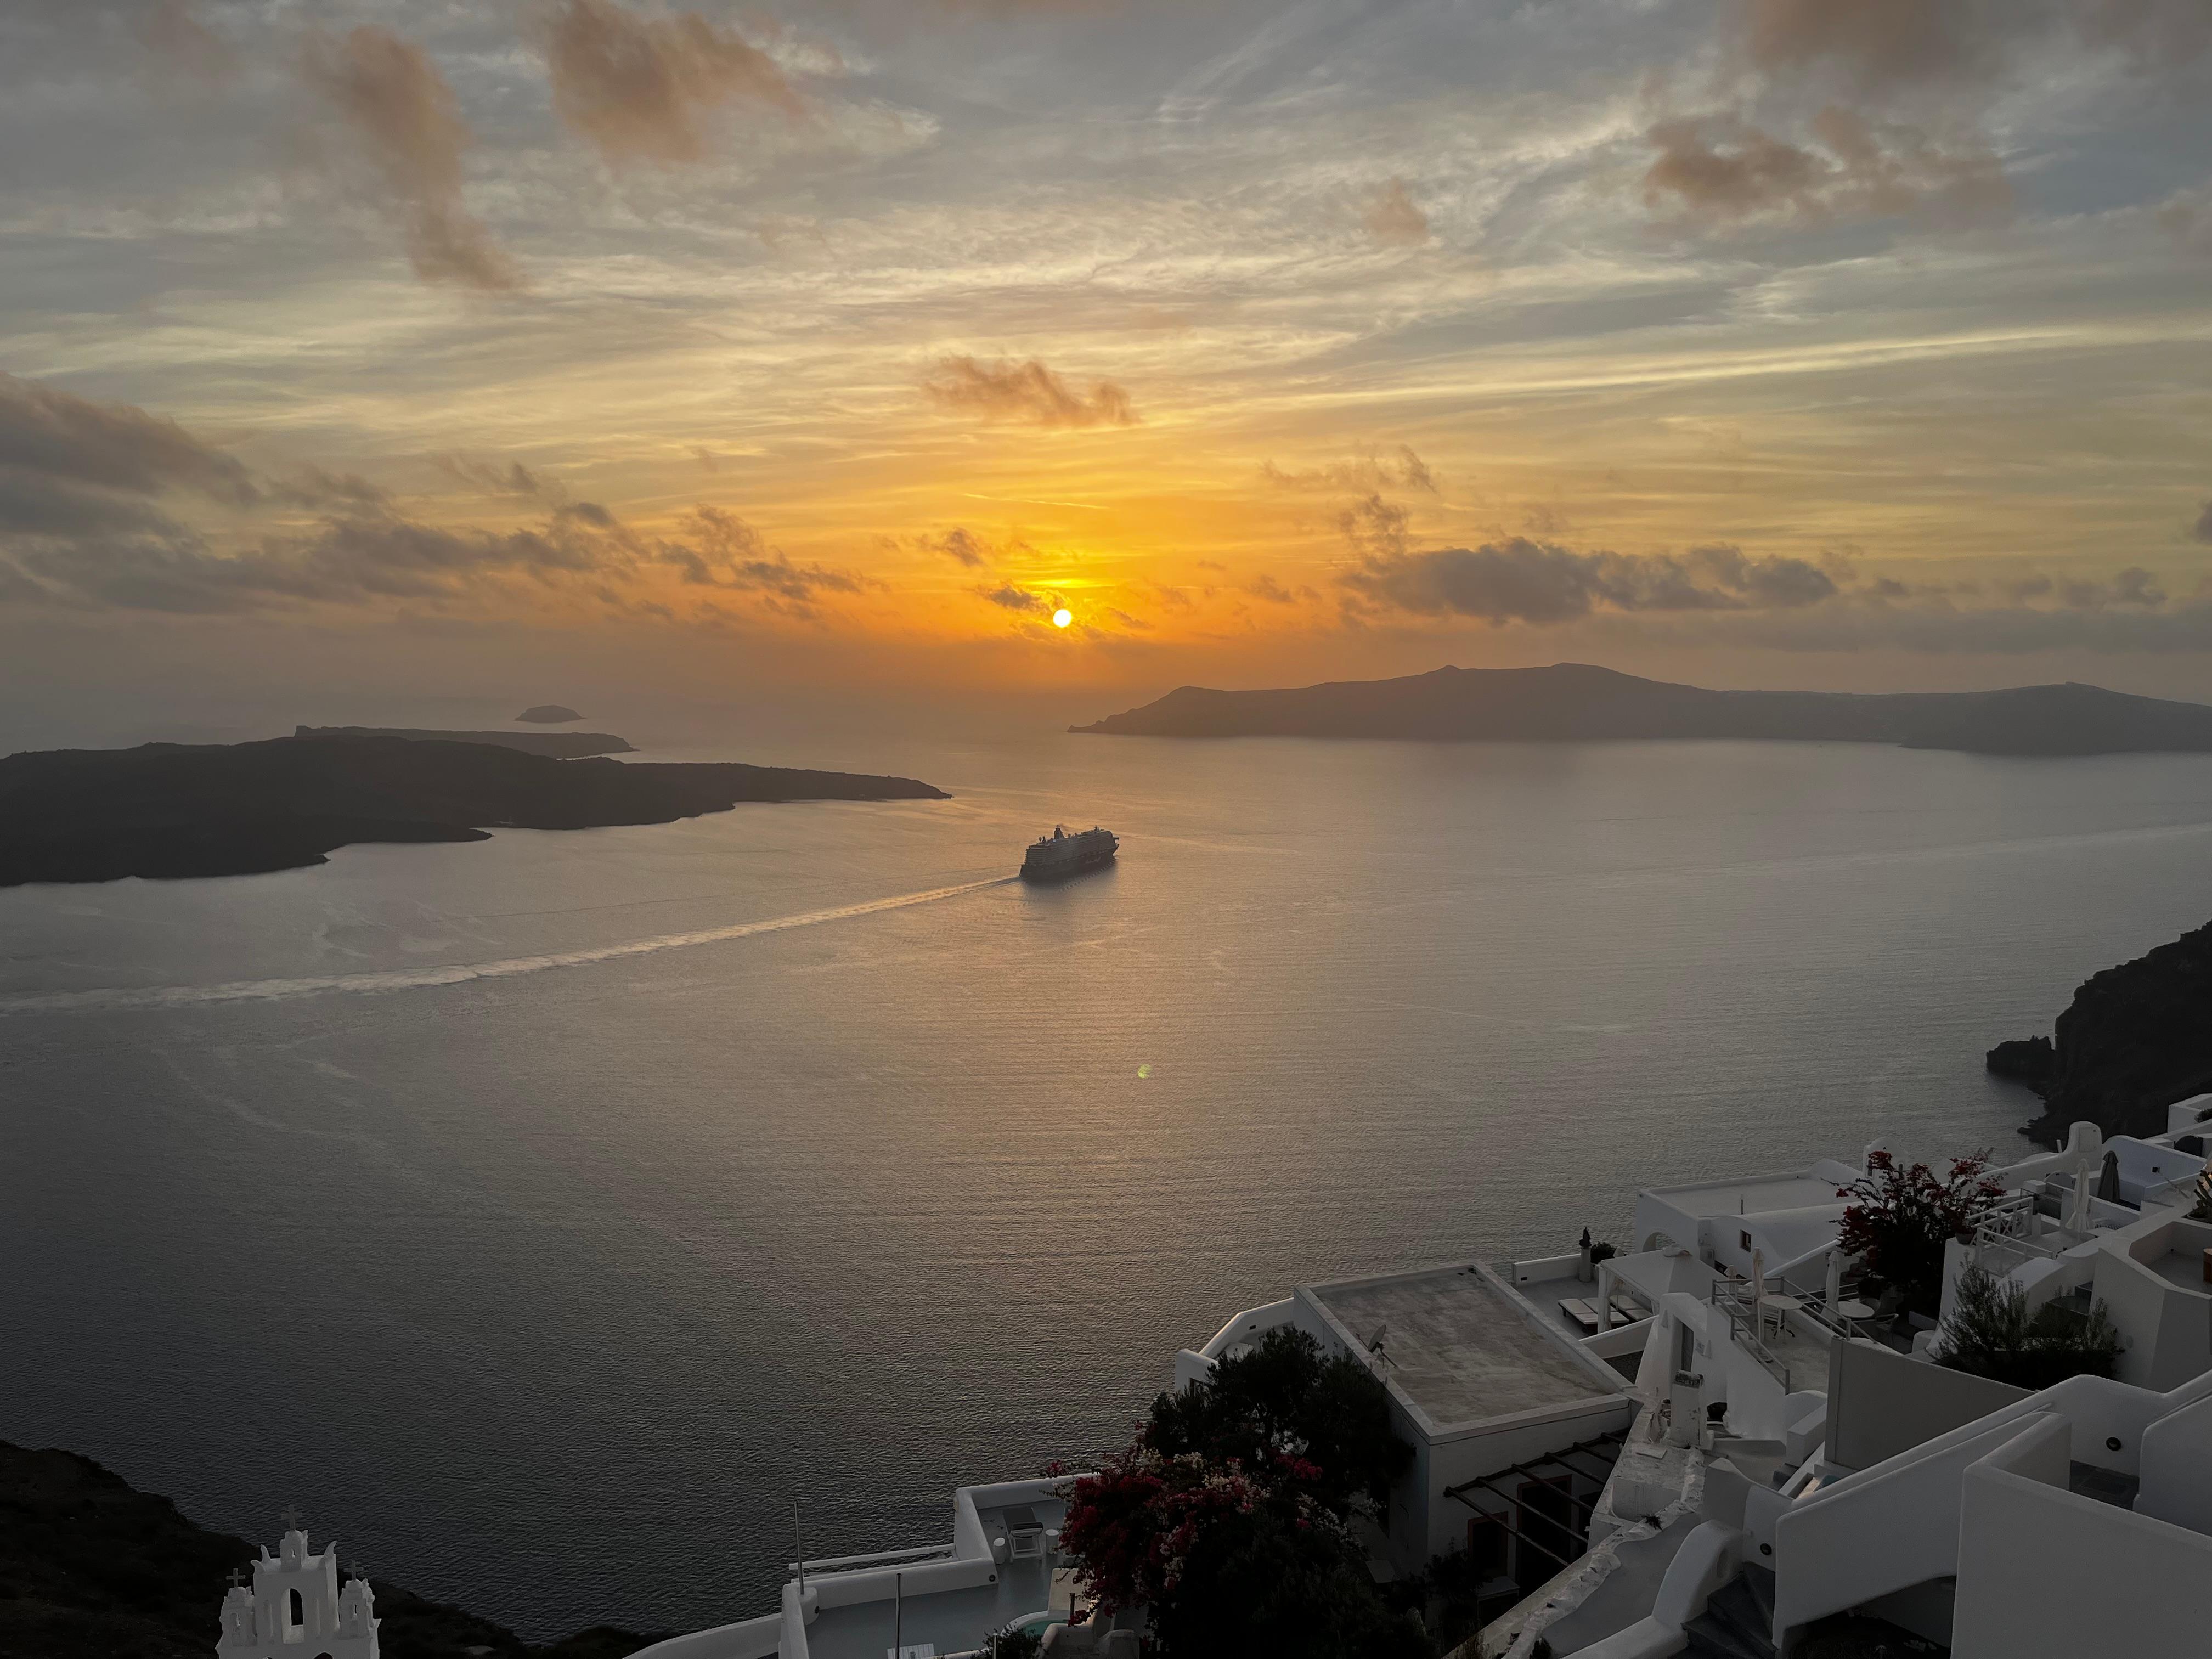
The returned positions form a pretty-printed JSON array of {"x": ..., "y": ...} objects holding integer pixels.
[{"x": 543, "y": 1226}]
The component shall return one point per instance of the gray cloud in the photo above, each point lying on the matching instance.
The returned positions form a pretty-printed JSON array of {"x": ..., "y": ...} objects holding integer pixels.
[
  {"x": 67, "y": 440},
  {"x": 1877, "y": 41},
  {"x": 2169, "y": 32},
  {"x": 1016, "y": 598},
  {"x": 1028, "y": 392},
  {"x": 1362, "y": 475},
  {"x": 312, "y": 487},
  {"x": 395, "y": 101},
  {"x": 86, "y": 523},
  {"x": 641, "y": 88},
  {"x": 1719, "y": 167},
  {"x": 1376, "y": 528},
  {"x": 349, "y": 559},
  {"x": 2202, "y": 529},
  {"x": 1540, "y": 582},
  {"x": 721, "y": 550},
  {"x": 963, "y": 546},
  {"x": 1877, "y": 48},
  {"x": 1265, "y": 587},
  {"x": 513, "y": 479},
  {"x": 181, "y": 44}
]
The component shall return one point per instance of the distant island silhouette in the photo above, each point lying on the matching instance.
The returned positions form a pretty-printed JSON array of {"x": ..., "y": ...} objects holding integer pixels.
[
  {"x": 550, "y": 714},
  {"x": 560, "y": 746},
  {"x": 170, "y": 810},
  {"x": 1576, "y": 703}
]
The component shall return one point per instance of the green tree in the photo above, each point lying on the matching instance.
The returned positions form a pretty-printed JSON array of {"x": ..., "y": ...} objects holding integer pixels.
[{"x": 1992, "y": 1333}]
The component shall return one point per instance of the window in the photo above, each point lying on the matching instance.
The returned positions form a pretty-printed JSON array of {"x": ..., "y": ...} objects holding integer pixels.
[
  {"x": 1743, "y": 1238},
  {"x": 296, "y": 1611},
  {"x": 1486, "y": 1548}
]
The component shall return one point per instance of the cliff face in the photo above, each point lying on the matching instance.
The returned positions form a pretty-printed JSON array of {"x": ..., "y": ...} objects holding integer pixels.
[
  {"x": 2134, "y": 1039},
  {"x": 91, "y": 1568}
]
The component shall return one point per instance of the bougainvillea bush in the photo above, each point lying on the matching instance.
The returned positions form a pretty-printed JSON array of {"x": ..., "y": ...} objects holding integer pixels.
[
  {"x": 1230, "y": 1517},
  {"x": 1905, "y": 1214}
]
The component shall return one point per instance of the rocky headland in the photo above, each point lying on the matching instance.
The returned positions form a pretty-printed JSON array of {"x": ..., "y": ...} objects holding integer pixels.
[
  {"x": 174, "y": 811},
  {"x": 92, "y": 1568},
  {"x": 2134, "y": 1039},
  {"x": 550, "y": 714}
]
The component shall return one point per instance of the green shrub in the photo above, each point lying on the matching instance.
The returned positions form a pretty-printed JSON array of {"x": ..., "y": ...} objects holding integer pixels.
[{"x": 1992, "y": 1332}]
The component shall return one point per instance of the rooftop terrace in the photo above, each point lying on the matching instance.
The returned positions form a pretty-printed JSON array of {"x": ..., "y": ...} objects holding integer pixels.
[{"x": 1458, "y": 1348}]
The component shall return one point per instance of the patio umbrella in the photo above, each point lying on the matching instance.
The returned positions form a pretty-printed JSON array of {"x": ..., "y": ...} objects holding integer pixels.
[{"x": 2108, "y": 1178}]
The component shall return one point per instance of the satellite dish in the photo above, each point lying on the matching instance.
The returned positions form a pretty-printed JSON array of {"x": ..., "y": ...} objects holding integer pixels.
[{"x": 1375, "y": 1344}]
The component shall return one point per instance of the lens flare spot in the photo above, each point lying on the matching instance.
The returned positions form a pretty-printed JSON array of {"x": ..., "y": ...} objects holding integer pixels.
[
  {"x": 1061, "y": 617},
  {"x": 1143, "y": 1070}
]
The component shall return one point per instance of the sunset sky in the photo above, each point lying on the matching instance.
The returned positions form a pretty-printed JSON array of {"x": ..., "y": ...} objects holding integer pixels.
[{"x": 1845, "y": 343}]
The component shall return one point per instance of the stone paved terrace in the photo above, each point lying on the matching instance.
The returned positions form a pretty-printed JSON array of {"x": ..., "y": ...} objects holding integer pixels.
[{"x": 1459, "y": 1348}]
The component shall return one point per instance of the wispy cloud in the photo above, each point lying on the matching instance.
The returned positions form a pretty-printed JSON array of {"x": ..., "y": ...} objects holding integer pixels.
[
  {"x": 645, "y": 87},
  {"x": 1528, "y": 581},
  {"x": 1720, "y": 167},
  {"x": 61, "y": 440},
  {"x": 1026, "y": 392},
  {"x": 1400, "y": 470},
  {"x": 181, "y": 44},
  {"x": 1392, "y": 218},
  {"x": 400, "y": 108},
  {"x": 513, "y": 479}
]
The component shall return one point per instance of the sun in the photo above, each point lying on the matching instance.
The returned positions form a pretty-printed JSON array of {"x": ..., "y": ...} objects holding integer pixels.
[{"x": 1061, "y": 617}]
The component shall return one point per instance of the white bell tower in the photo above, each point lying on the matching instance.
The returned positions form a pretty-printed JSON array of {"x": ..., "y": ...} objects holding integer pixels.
[{"x": 295, "y": 1610}]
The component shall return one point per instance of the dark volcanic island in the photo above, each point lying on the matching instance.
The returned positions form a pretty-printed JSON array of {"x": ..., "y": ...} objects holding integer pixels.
[
  {"x": 561, "y": 745},
  {"x": 2134, "y": 1039},
  {"x": 1575, "y": 702},
  {"x": 172, "y": 810}
]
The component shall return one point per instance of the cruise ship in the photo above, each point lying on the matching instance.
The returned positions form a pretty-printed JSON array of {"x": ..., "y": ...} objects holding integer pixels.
[{"x": 1058, "y": 856}]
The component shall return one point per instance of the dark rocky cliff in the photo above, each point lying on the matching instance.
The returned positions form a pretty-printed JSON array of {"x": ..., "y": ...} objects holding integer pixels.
[
  {"x": 91, "y": 1568},
  {"x": 2134, "y": 1039}
]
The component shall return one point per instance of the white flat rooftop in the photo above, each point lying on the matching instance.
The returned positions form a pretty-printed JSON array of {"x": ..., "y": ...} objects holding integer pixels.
[
  {"x": 1458, "y": 1348},
  {"x": 1751, "y": 1197}
]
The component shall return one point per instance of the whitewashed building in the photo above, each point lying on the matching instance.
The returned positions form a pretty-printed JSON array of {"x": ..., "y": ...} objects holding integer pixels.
[{"x": 294, "y": 1608}]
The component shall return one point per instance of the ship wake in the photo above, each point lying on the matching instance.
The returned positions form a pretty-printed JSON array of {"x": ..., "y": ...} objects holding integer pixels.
[{"x": 458, "y": 973}]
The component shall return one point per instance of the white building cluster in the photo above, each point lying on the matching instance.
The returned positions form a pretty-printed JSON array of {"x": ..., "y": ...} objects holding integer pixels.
[{"x": 1707, "y": 1441}]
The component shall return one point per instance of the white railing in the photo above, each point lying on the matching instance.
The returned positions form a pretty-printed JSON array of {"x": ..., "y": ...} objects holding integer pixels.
[
  {"x": 1743, "y": 1320},
  {"x": 873, "y": 1559}
]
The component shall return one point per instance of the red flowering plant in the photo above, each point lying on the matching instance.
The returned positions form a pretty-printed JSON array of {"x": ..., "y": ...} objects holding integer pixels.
[
  {"x": 1905, "y": 1216},
  {"x": 1228, "y": 1517}
]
